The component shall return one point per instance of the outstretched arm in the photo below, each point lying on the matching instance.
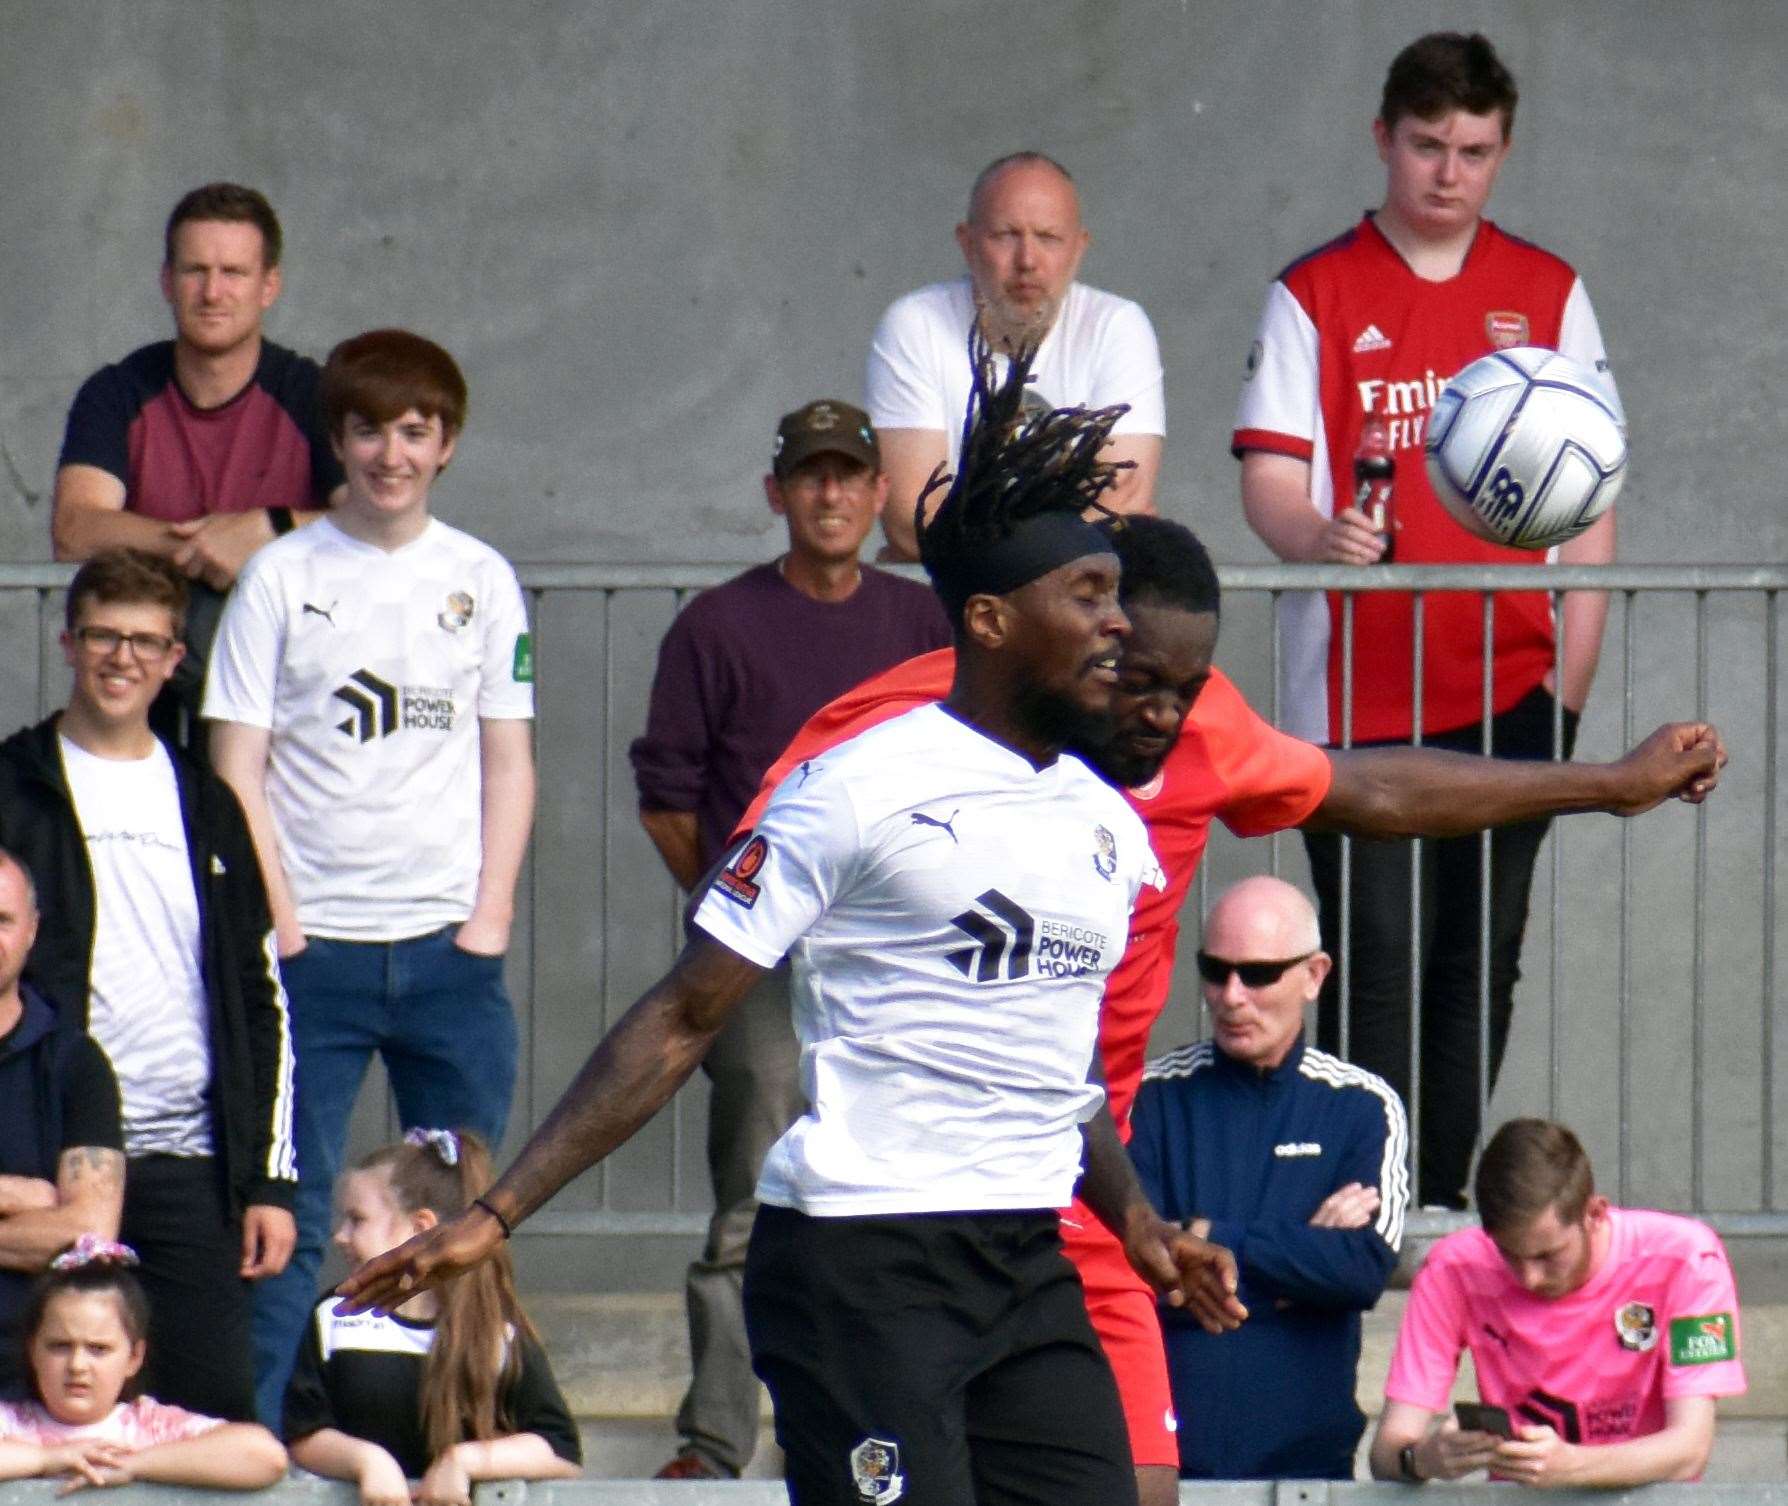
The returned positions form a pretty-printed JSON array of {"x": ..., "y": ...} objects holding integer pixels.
[
  {"x": 631, "y": 1075},
  {"x": 1429, "y": 792}
]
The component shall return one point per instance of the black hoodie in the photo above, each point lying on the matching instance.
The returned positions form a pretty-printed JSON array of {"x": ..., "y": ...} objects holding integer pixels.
[{"x": 250, "y": 1037}]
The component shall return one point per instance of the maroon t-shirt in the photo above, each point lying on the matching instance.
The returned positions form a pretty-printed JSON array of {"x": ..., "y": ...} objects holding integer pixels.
[
  {"x": 265, "y": 447},
  {"x": 745, "y": 664}
]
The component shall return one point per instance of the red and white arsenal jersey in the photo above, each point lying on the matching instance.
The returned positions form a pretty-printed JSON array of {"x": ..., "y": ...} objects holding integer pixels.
[{"x": 1349, "y": 330}]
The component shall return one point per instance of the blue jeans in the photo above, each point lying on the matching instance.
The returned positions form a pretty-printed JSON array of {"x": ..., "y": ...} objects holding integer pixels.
[{"x": 442, "y": 1021}]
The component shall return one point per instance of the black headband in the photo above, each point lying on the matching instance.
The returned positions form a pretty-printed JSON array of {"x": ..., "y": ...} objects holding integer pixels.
[{"x": 1035, "y": 547}]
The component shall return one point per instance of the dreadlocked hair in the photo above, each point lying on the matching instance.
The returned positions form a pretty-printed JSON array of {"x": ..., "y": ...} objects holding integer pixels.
[
  {"x": 475, "y": 1358},
  {"x": 1018, "y": 461}
]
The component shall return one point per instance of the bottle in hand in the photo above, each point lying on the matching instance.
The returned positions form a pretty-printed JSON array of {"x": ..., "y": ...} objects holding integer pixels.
[{"x": 1374, "y": 477}]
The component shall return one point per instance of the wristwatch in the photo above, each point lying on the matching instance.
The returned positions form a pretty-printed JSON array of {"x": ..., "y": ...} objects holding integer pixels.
[{"x": 1406, "y": 1464}]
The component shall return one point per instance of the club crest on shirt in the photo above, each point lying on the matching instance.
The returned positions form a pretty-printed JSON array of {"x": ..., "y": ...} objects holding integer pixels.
[
  {"x": 737, "y": 879},
  {"x": 1636, "y": 1326},
  {"x": 875, "y": 1470},
  {"x": 1506, "y": 329},
  {"x": 458, "y": 613},
  {"x": 1104, "y": 852}
]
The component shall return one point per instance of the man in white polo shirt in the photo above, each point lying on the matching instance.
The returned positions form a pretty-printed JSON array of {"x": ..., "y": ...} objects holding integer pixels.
[
  {"x": 1023, "y": 241},
  {"x": 371, "y": 690}
]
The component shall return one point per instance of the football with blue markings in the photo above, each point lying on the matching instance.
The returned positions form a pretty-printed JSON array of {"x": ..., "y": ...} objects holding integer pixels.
[{"x": 1527, "y": 447}]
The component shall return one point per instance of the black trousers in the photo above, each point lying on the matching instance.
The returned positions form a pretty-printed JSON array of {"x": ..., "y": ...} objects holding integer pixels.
[
  {"x": 177, "y": 1220},
  {"x": 941, "y": 1358},
  {"x": 1380, "y": 1008}
]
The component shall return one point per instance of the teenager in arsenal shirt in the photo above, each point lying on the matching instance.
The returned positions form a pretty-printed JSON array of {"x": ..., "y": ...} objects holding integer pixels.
[{"x": 1371, "y": 326}]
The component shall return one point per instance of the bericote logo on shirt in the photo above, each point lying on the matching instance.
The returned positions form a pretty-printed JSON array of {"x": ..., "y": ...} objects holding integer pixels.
[{"x": 378, "y": 708}]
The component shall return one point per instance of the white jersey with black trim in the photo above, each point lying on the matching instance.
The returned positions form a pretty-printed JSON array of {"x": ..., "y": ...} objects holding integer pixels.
[{"x": 951, "y": 914}]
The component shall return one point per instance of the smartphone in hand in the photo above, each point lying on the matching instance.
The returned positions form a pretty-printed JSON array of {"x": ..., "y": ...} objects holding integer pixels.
[{"x": 1475, "y": 1417}]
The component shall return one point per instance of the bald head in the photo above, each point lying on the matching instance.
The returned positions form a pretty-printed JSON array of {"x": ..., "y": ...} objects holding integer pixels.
[
  {"x": 18, "y": 929},
  {"x": 1261, "y": 921},
  {"x": 1022, "y": 242},
  {"x": 1266, "y": 917},
  {"x": 1039, "y": 168}
]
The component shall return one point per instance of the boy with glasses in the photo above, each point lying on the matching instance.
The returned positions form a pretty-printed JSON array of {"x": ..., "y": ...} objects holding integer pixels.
[
  {"x": 157, "y": 937},
  {"x": 1297, "y": 1162}
]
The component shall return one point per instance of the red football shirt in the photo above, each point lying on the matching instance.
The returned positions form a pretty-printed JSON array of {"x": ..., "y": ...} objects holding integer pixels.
[
  {"x": 1349, "y": 330},
  {"x": 1228, "y": 764}
]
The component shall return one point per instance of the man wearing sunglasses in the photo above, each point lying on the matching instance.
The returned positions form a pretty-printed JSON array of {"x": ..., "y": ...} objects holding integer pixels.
[
  {"x": 1296, "y": 1162},
  {"x": 1187, "y": 749}
]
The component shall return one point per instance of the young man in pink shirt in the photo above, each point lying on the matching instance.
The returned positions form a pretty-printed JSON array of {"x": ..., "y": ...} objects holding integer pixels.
[{"x": 1604, "y": 1332}]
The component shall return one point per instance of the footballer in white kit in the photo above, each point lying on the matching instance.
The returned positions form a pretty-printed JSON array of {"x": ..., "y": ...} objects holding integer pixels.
[
  {"x": 952, "y": 889},
  {"x": 950, "y": 913}
]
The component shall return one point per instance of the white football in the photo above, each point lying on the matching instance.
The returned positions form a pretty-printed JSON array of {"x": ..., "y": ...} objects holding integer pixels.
[{"x": 1526, "y": 447}]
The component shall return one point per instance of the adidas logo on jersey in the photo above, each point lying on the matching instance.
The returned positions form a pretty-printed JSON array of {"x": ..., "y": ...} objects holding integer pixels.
[
  {"x": 1291, "y": 1149},
  {"x": 1371, "y": 338}
]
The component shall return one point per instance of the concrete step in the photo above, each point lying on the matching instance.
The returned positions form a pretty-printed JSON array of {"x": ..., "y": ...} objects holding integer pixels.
[{"x": 622, "y": 1361}]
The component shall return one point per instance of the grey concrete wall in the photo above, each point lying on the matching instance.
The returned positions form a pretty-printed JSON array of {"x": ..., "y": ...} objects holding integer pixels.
[{"x": 647, "y": 229}]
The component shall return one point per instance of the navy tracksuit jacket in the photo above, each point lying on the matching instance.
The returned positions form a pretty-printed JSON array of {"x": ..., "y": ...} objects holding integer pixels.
[{"x": 1256, "y": 1153}]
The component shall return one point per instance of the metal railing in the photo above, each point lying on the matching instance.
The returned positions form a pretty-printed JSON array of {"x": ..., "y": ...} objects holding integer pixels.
[
  {"x": 305, "y": 1490},
  {"x": 1658, "y": 936}
]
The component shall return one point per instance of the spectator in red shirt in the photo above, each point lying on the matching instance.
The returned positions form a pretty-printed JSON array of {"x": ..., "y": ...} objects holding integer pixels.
[{"x": 203, "y": 447}]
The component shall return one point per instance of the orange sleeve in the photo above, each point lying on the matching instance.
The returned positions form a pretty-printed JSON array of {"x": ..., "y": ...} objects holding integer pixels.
[
  {"x": 1271, "y": 782},
  {"x": 912, "y": 683}
]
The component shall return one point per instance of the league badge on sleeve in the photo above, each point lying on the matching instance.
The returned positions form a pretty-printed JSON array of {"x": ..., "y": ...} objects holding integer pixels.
[
  {"x": 737, "y": 881},
  {"x": 1704, "y": 1340},
  {"x": 875, "y": 1469},
  {"x": 1636, "y": 1326}
]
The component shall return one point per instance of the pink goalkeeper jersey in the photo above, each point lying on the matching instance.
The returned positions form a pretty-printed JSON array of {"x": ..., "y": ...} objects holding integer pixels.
[{"x": 1658, "y": 1320}]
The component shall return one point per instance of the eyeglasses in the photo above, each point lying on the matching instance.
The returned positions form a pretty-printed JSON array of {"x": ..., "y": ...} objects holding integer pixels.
[
  {"x": 1216, "y": 970},
  {"x": 105, "y": 640}
]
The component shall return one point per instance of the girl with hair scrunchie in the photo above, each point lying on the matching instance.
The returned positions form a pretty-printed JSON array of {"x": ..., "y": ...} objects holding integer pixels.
[
  {"x": 84, "y": 1330},
  {"x": 452, "y": 1387}
]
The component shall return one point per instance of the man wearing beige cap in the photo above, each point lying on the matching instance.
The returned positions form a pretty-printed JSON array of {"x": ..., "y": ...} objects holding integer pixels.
[{"x": 742, "y": 667}]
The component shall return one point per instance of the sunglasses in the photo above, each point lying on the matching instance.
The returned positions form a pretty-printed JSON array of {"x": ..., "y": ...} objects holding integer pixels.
[{"x": 1216, "y": 970}]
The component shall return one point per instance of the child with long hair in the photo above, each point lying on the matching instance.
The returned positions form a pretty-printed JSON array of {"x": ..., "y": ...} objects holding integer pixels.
[
  {"x": 450, "y": 1388},
  {"x": 83, "y": 1330}
]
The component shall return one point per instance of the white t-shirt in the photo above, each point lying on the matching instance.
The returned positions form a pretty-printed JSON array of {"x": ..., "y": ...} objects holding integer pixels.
[
  {"x": 146, "y": 1003},
  {"x": 1100, "y": 351},
  {"x": 372, "y": 669},
  {"x": 951, "y": 914}
]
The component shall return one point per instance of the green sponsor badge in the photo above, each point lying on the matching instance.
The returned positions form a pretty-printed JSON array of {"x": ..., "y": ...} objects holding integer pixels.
[
  {"x": 523, "y": 672},
  {"x": 1702, "y": 1341}
]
